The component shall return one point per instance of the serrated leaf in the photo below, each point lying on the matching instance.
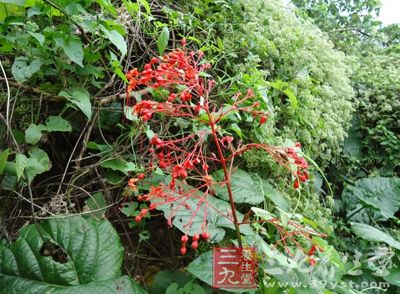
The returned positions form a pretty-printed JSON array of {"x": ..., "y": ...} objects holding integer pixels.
[
  {"x": 3, "y": 159},
  {"x": 21, "y": 162},
  {"x": 374, "y": 235},
  {"x": 119, "y": 165},
  {"x": 88, "y": 259},
  {"x": 57, "y": 124},
  {"x": 162, "y": 41},
  {"x": 244, "y": 189},
  {"x": 33, "y": 133},
  {"x": 81, "y": 98},
  {"x": 23, "y": 69},
  {"x": 116, "y": 38}
]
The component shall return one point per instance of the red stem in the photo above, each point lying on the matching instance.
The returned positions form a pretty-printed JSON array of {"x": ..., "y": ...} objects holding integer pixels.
[{"x": 227, "y": 179}]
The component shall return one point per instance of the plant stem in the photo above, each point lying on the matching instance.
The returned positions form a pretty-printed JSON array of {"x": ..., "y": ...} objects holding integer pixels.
[{"x": 227, "y": 181}]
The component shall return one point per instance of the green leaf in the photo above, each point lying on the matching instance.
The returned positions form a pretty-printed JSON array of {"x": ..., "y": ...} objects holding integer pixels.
[
  {"x": 202, "y": 267},
  {"x": 3, "y": 159},
  {"x": 53, "y": 124},
  {"x": 38, "y": 163},
  {"x": 106, "y": 4},
  {"x": 81, "y": 98},
  {"x": 22, "y": 69},
  {"x": 97, "y": 203},
  {"x": 292, "y": 99},
  {"x": 21, "y": 161},
  {"x": 276, "y": 197},
  {"x": 352, "y": 144},
  {"x": 373, "y": 234},
  {"x": 33, "y": 133},
  {"x": 100, "y": 147},
  {"x": 162, "y": 41},
  {"x": 119, "y": 165},
  {"x": 116, "y": 38},
  {"x": 74, "y": 50},
  {"x": 196, "y": 207},
  {"x": 378, "y": 194},
  {"x": 57, "y": 124},
  {"x": 39, "y": 37},
  {"x": 393, "y": 277},
  {"x": 244, "y": 189},
  {"x": 130, "y": 208},
  {"x": 15, "y": 2},
  {"x": 79, "y": 256}
]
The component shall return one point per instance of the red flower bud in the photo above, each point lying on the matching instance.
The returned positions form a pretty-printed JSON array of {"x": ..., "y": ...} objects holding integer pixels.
[
  {"x": 183, "y": 250},
  {"x": 141, "y": 176},
  {"x": 195, "y": 244},
  {"x": 205, "y": 235},
  {"x": 296, "y": 184},
  {"x": 138, "y": 219},
  {"x": 184, "y": 238}
]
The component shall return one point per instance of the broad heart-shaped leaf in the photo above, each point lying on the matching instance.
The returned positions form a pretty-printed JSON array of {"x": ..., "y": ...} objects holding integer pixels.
[
  {"x": 244, "y": 188},
  {"x": 22, "y": 68},
  {"x": 81, "y": 98},
  {"x": 116, "y": 38},
  {"x": 189, "y": 216},
  {"x": 374, "y": 235},
  {"x": 162, "y": 41},
  {"x": 92, "y": 257},
  {"x": 379, "y": 194}
]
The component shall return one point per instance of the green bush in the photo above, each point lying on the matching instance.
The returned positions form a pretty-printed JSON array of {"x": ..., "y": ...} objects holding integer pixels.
[
  {"x": 305, "y": 78},
  {"x": 377, "y": 82}
]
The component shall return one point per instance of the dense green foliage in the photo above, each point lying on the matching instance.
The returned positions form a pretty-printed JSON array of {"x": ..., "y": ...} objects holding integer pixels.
[{"x": 69, "y": 143}]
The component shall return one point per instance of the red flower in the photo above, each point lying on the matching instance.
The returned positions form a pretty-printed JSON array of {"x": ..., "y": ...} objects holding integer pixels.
[{"x": 179, "y": 171}]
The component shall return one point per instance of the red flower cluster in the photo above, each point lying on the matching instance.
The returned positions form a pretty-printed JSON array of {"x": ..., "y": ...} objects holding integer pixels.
[{"x": 189, "y": 155}]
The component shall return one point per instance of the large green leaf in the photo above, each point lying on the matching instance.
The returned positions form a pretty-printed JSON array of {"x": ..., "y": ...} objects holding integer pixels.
[
  {"x": 374, "y": 235},
  {"x": 380, "y": 195},
  {"x": 79, "y": 256},
  {"x": 81, "y": 98},
  {"x": 189, "y": 214},
  {"x": 244, "y": 188}
]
